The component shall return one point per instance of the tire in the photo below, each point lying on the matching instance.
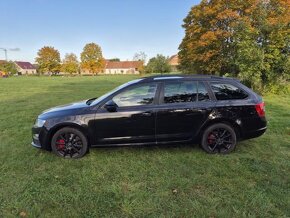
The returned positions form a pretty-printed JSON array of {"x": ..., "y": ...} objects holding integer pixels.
[
  {"x": 69, "y": 143},
  {"x": 219, "y": 138}
]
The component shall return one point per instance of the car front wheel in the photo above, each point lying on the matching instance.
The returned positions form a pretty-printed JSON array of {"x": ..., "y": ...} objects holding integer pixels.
[
  {"x": 219, "y": 138},
  {"x": 69, "y": 143}
]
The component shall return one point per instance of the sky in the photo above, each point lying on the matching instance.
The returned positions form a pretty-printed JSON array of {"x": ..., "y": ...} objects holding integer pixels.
[{"x": 120, "y": 27}]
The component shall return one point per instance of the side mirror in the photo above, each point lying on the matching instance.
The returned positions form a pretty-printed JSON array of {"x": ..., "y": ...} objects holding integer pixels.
[{"x": 111, "y": 106}]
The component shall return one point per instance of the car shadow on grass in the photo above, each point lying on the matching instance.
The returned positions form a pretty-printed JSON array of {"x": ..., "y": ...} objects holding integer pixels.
[{"x": 148, "y": 147}]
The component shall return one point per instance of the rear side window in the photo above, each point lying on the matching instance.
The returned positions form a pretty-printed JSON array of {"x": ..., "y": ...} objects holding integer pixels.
[
  {"x": 179, "y": 92},
  {"x": 224, "y": 91},
  {"x": 185, "y": 91}
]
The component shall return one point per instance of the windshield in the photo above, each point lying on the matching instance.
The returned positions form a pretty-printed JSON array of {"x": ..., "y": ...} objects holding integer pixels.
[{"x": 101, "y": 98}]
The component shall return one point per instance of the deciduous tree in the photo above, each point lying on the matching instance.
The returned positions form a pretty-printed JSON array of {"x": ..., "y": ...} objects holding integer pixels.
[
  {"x": 248, "y": 39},
  {"x": 114, "y": 59},
  {"x": 158, "y": 64},
  {"x": 70, "y": 64},
  {"x": 140, "y": 56},
  {"x": 92, "y": 59},
  {"x": 48, "y": 60},
  {"x": 8, "y": 67}
]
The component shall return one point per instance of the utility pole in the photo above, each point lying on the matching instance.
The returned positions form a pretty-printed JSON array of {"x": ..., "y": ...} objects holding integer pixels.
[{"x": 9, "y": 49}]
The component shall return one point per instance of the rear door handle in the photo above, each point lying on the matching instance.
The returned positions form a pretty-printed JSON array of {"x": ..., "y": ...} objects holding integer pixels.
[{"x": 201, "y": 110}]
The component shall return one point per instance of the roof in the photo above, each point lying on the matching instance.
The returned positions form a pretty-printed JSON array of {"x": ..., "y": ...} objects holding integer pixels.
[
  {"x": 174, "y": 60},
  {"x": 123, "y": 64},
  {"x": 25, "y": 65},
  {"x": 2, "y": 61}
]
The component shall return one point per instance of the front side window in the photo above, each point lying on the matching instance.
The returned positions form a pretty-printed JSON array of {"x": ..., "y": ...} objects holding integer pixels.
[
  {"x": 140, "y": 95},
  {"x": 180, "y": 92},
  {"x": 225, "y": 91}
]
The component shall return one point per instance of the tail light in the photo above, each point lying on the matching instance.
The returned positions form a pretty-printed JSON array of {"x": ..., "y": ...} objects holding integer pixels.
[{"x": 260, "y": 108}]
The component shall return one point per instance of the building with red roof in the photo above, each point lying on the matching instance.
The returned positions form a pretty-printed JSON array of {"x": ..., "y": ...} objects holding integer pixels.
[
  {"x": 174, "y": 62},
  {"x": 123, "y": 67},
  {"x": 25, "y": 68},
  {"x": 2, "y": 61}
]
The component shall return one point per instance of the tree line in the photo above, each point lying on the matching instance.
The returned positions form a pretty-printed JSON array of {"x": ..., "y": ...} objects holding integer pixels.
[
  {"x": 248, "y": 39},
  {"x": 92, "y": 61}
]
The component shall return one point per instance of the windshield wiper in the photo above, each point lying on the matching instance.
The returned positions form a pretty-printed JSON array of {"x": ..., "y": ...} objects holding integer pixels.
[{"x": 88, "y": 102}]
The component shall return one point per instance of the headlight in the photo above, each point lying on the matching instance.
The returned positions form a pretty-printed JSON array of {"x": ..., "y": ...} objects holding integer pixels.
[{"x": 39, "y": 123}]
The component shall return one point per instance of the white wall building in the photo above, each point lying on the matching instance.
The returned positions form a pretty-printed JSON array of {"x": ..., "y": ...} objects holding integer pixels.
[
  {"x": 25, "y": 68},
  {"x": 123, "y": 67}
]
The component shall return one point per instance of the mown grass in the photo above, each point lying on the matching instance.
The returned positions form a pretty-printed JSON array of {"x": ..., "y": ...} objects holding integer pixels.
[{"x": 175, "y": 181}]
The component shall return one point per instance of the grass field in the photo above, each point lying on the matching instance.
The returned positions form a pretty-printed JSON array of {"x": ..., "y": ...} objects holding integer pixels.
[{"x": 175, "y": 181}]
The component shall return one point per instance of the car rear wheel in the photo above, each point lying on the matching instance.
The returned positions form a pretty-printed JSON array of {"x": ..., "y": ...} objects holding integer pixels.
[
  {"x": 219, "y": 138},
  {"x": 69, "y": 143}
]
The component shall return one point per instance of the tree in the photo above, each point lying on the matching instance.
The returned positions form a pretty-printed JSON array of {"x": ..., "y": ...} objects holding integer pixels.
[
  {"x": 158, "y": 64},
  {"x": 70, "y": 64},
  {"x": 92, "y": 59},
  {"x": 114, "y": 59},
  {"x": 8, "y": 67},
  {"x": 48, "y": 60},
  {"x": 240, "y": 38},
  {"x": 140, "y": 56}
]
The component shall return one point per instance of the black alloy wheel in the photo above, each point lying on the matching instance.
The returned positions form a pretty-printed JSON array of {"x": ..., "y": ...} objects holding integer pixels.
[
  {"x": 69, "y": 143},
  {"x": 219, "y": 138}
]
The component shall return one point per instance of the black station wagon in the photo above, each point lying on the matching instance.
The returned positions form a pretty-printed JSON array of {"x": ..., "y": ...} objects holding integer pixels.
[{"x": 214, "y": 112}]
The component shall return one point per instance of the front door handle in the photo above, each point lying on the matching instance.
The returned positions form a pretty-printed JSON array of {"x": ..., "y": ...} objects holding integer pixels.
[{"x": 147, "y": 113}]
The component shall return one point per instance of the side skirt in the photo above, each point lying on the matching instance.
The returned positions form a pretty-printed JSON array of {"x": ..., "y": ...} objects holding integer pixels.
[{"x": 142, "y": 143}]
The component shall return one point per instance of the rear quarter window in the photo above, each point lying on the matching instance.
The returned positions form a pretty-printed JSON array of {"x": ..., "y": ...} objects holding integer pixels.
[{"x": 226, "y": 91}]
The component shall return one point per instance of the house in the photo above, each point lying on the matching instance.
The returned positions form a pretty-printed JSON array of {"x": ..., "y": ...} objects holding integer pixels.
[
  {"x": 174, "y": 62},
  {"x": 25, "y": 68},
  {"x": 123, "y": 67}
]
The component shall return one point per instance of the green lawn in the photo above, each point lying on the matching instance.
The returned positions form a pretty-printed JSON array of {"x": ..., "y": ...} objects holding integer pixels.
[{"x": 135, "y": 181}]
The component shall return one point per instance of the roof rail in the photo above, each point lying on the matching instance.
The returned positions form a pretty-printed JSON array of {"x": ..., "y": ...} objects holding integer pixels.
[{"x": 178, "y": 76}]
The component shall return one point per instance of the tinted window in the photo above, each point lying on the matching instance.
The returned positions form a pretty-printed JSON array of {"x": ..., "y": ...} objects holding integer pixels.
[
  {"x": 202, "y": 92},
  {"x": 141, "y": 95},
  {"x": 227, "y": 91},
  {"x": 176, "y": 92}
]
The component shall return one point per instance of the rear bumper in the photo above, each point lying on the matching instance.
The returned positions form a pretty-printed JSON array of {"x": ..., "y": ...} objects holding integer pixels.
[{"x": 255, "y": 133}]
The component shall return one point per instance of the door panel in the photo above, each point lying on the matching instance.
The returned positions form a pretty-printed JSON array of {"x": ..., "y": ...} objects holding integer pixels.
[
  {"x": 179, "y": 122},
  {"x": 133, "y": 120},
  {"x": 125, "y": 126},
  {"x": 182, "y": 110}
]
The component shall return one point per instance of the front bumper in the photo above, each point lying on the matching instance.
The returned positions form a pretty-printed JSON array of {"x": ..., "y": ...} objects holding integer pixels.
[
  {"x": 35, "y": 137},
  {"x": 35, "y": 145},
  {"x": 39, "y": 137}
]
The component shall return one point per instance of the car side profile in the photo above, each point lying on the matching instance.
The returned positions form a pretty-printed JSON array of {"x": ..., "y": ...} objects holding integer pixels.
[{"x": 214, "y": 112}]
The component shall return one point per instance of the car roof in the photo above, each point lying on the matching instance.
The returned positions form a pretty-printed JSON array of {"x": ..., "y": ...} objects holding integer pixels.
[{"x": 185, "y": 76}]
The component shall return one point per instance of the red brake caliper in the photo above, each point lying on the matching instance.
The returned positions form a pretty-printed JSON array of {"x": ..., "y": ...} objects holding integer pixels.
[
  {"x": 211, "y": 138},
  {"x": 60, "y": 144}
]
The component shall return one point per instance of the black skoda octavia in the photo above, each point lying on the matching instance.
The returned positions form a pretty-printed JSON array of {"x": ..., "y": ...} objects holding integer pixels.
[{"x": 215, "y": 112}]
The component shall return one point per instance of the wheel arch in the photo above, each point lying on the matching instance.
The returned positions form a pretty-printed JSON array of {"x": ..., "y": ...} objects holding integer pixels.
[
  {"x": 237, "y": 128},
  {"x": 57, "y": 127}
]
